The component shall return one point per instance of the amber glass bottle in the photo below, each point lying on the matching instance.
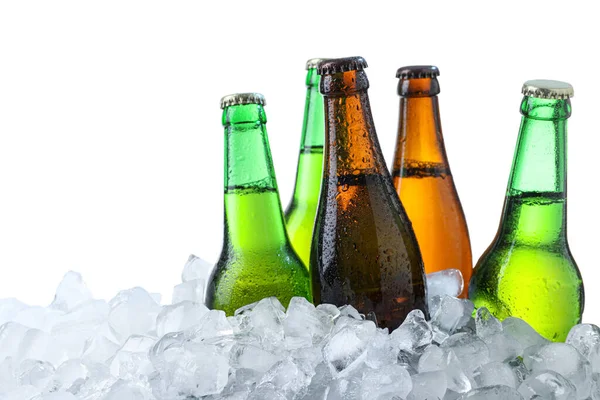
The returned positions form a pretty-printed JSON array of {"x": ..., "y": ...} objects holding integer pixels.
[
  {"x": 422, "y": 175},
  {"x": 364, "y": 251}
]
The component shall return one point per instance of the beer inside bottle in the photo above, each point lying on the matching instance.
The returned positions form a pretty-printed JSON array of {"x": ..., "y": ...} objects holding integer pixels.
[
  {"x": 300, "y": 214},
  {"x": 364, "y": 251},
  {"x": 528, "y": 270},
  {"x": 422, "y": 176},
  {"x": 257, "y": 259}
]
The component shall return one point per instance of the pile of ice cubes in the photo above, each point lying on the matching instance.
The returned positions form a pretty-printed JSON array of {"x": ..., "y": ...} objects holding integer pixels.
[{"x": 132, "y": 348}]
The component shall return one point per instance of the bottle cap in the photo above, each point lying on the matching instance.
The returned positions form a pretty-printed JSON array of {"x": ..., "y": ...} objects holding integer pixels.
[
  {"x": 314, "y": 62},
  {"x": 242, "y": 98},
  {"x": 546, "y": 89},
  {"x": 336, "y": 65},
  {"x": 417, "y": 71}
]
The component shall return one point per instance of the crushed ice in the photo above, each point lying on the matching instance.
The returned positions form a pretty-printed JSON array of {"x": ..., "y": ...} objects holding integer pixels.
[{"x": 134, "y": 348}]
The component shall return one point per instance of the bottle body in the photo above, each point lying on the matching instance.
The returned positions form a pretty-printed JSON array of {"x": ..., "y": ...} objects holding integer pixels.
[
  {"x": 364, "y": 252},
  {"x": 528, "y": 271},
  {"x": 424, "y": 182},
  {"x": 301, "y": 212},
  {"x": 257, "y": 260}
]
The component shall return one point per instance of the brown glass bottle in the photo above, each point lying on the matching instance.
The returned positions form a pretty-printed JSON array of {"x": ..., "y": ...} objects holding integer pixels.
[
  {"x": 423, "y": 179},
  {"x": 364, "y": 251}
]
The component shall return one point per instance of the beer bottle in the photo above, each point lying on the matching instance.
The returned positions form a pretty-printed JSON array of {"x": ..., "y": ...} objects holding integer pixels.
[
  {"x": 300, "y": 214},
  {"x": 528, "y": 270},
  {"x": 364, "y": 251},
  {"x": 422, "y": 176},
  {"x": 257, "y": 259}
]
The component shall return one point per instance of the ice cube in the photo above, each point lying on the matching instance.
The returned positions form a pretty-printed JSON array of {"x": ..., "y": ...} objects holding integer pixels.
[
  {"x": 40, "y": 318},
  {"x": 345, "y": 351},
  {"x": 428, "y": 386},
  {"x": 434, "y": 359},
  {"x": 68, "y": 373},
  {"x": 414, "y": 333},
  {"x": 287, "y": 377},
  {"x": 448, "y": 282},
  {"x": 471, "y": 351},
  {"x": 9, "y": 308},
  {"x": 179, "y": 317},
  {"x": 192, "y": 290},
  {"x": 266, "y": 392},
  {"x": 330, "y": 310},
  {"x": 567, "y": 361},
  {"x": 380, "y": 350},
  {"x": 132, "y": 312},
  {"x": 522, "y": 332},
  {"x": 495, "y": 373},
  {"x": 584, "y": 337},
  {"x": 452, "y": 315},
  {"x": 594, "y": 359},
  {"x": 71, "y": 292},
  {"x": 503, "y": 347},
  {"x": 351, "y": 312},
  {"x": 486, "y": 324},
  {"x": 303, "y": 320},
  {"x": 547, "y": 385},
  {"x": 36, "y": 373},
  {"x": 39, "y": 345},
  {"x": 493, "y": 393},
  {"x": 213, "y": 327},
  {"x": 264, "y": 320},
  {"x": 126, "y": 391},
  {"x": 386, "y": 382},
  {"x": 196, "y": 268},
  {"x": 11, "y": 336},
  {"x": 252, "y": 357},
  {"x": 319, "y": 384},
  {"x": 99, "y": 349},
  {"x": 132, "y": 358}
]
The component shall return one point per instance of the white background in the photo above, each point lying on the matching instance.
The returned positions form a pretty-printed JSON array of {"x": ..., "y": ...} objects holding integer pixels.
[{"x": 111, "y": 145}]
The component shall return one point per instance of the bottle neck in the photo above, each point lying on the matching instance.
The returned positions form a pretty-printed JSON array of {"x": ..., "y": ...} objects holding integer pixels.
[
  {"x": 420, "y": 144},
  {"x": 253, "y": 216},
  {"x": 352, "y": 144},
  {"x": 535, "y": 206},
  {"x": 310, "y": 162}
]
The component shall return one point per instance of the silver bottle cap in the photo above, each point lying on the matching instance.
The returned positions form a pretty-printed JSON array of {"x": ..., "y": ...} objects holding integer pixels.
[
  {"x": 242, "y": 98},
  {"x": 314, "y": 62},
  {"x": 547, "y": 89},
  {"x": 337, "y": 65}
]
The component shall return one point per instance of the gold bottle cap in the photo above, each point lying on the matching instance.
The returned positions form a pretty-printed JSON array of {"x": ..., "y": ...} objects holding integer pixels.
[
  {"x": 417, "y": 72},
  {"x": 337, "y": 65},
  {"x": 242, "y": 98},
  {"x": 314, "y": 62},
  {"x": 547, "y": 89}
]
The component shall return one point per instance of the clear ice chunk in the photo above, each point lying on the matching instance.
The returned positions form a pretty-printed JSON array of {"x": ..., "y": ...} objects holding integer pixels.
[
  {"x": 493, "y": 393},
  {"x": 522, "y": 332},
  {"x": 386, "y": 382},
  {"x": 196, "y": 268},
  {"x": 287, "y": 377},
  {"x": 584, "y": 337},
  {"x": 9, "y": 308},
  {"x": 428, "y": 385},
  {"x": 448, "y": 282},
  {"x": 132, "y": 312},
  {"x": 192, "y": 290},
  {"x": 71, "y": 292},
  {"x": 471, "y": 351},
  {"x": 414, "y": 333},
  {"x": 565, "y": 360},
  {"x": 495, "y": 373},
  {"x": 345, "y": 351},
  {"x": 36, "y": 373},
  {"x": 547, "y": 385},
  {"x": 303, "y": 320},
  {"x": 179, "y": 317},
  {"x": 248, "y": 356},
  {"x": 264, "y": 321},
  {"x": 452, "y": 315},
  {"x": 486, "y": 324}
]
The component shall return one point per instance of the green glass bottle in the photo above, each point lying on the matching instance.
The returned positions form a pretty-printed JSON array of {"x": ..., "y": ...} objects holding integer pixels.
[
  {"x": 257, "y": 259},
  {"x": 300, "y": 214},
  {"x": 528, "y": 270}
]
